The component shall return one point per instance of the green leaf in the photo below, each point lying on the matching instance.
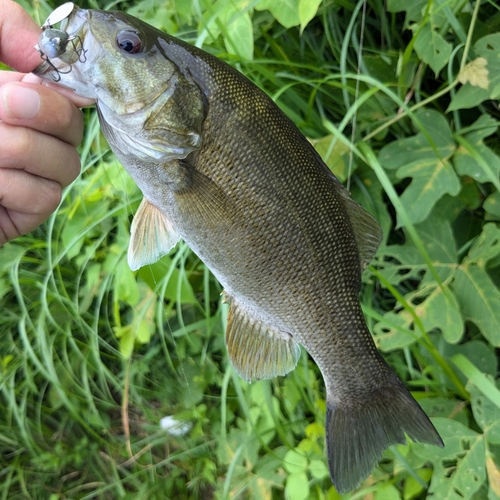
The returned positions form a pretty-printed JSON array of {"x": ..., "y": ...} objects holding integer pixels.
[
  {"x": 439, "y": 242},
  {"x": 178, "y": 288},
  {"x": 494, "y": 478},
  {"x": 297, "y": 486},
  {"x": 434, "y": 140},
  {"x": 295, "y": 462},
  {"x": 89, "y": 291},
  {"x": 478, "y": 352},
  {"x": 486, "y": 246},
  {"x": 367, "y": 191},
  {"x": 436, "y": 307},
  {"x": 335, "y": 154},
  {"x": 142, "y": 326},
  {"x": 307, "y": 11},
  {"x": 465, "y": 163},
  {"x": 4, "y": 287},
  {"x": 238, "y": 37},
  {"x": 394, "y": 332},
  {"x": 387, "y": 491},
  {"x": 270, "y": 466},
  {"x": 412, "y": 488},
  {"x": 486, "y": 413},
  {"x": 9, "y": 254},
  {"x": 286, "y": 12},
  {"x": 492, "y": 204},
  {"x": 432, "y": 178},
  {"x": 413, "y": 9},
  {"x": 424, "y": 157},
  {"x": 432, "y": 48},
  {"x": 230, "y": 18},
  {"x": 459, "y": 467},
  {"x": 441, "y": 310},
  {"x": 73, "y": 235},
  {"x": 126, "y": 335},
  {"x": 125, "y": 284},
  {"x": 469, "y": 96},
  {"x": 318, "y": 469},
  {"x": 479, "y": 300},
  {"x": 446, "y": 408},
  {"x": 438, "y": 239},
  {"x": 144, "y": 332},
  {"x": 477, "y": 295},
  {"x": 478, "y": 378},
  {"x": 403, "y": 262},
  {"x": 262, "y": 489}
]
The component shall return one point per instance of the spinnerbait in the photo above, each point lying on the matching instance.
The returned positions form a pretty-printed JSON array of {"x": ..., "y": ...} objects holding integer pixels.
[{"x": 53, "y": 42}]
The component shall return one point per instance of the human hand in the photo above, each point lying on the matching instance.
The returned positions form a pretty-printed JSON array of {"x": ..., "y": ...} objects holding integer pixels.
[{"x": 39, "y": 129}]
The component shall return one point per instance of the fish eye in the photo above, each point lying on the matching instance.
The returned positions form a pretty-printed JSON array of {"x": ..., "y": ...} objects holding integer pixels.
[{"x": 129, "y": 41}]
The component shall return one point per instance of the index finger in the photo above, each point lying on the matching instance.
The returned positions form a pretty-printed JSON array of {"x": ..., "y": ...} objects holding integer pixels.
[{"x": 18, "y": 35}]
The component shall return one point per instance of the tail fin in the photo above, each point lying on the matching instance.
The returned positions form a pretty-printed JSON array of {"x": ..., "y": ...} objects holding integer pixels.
[{"x": 357, "y": 432}]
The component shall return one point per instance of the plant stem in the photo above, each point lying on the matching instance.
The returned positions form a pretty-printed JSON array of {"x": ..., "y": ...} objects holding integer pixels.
[{"x": 438, "y": 94}]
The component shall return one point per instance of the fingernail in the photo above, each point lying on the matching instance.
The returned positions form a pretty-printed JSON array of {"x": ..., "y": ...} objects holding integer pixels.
[{"x": 20, "y": 102}]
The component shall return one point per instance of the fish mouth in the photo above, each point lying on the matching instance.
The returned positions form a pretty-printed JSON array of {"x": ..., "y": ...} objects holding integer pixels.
[
  {"x": 72, "y": 51},
  {"x": 42, "y": 69}
]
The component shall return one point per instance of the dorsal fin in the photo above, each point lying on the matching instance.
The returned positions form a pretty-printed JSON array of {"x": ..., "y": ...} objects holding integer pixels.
[
  {"x": 151, "y": 236},
  {"x": 367, "y": 230},
  {"x": 256, "y": 350}
]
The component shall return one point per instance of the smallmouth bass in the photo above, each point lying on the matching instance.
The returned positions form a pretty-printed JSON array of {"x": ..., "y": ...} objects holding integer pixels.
[{"x": 223, "y": 168}]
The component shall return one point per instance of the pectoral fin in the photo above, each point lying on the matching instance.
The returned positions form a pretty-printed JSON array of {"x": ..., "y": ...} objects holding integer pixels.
[
  {"x": 152, "y": 236},
  {"x": 255, "y": 349}
]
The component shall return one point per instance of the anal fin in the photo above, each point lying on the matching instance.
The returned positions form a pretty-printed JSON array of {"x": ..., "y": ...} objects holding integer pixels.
[
  {"x": 256, "y": 350},
  {"x": 152, "y": 236}
]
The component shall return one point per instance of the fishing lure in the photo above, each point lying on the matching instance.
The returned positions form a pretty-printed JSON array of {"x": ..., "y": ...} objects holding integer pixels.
[{"x": 53, "y": 42}]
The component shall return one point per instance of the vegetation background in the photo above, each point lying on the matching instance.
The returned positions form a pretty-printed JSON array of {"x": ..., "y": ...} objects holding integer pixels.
[{"x": 401, "y": 99}]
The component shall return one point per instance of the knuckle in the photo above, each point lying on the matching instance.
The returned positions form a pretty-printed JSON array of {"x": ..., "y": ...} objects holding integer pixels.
[
  {"x": 4, "y": 185},
  {"x": 66, "y": 158},
  {"x": 48, "y": 199},
  {"x": 16, "y": 11},
  {"x": 67, "y": 122},
  {"x": 72, "y": 165},
  {"x": 66, "y": 115}
]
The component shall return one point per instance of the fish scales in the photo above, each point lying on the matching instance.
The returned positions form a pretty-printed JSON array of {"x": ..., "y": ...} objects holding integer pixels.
[
  {"x": 298, "y": 255},
  {"x": 305, "y": 249},
  {"x": 221, "y": 166}
]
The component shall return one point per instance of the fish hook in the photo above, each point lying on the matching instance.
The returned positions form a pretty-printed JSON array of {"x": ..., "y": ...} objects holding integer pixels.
[
  {"x": 54, "y": 42},
  {"x": 80, "y": 52},
  {"x": 56, "y": 77}
]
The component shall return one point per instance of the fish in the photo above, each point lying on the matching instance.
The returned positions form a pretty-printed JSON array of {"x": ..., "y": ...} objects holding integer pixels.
[{"x": 223, "y": 168}]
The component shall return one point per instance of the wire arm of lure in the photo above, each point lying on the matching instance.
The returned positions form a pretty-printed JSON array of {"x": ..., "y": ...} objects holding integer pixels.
[
  {"x": 57, "y": 72},
  {"x": 79, "y": 51},
  {"x": 53, "y": 43}
]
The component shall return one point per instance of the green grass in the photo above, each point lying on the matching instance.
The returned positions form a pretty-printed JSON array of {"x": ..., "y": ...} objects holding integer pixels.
[{"x": 93, "y": 356}]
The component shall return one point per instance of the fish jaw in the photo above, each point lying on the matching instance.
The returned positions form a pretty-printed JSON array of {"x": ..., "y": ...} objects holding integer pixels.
[
  {"x": 153, "y": 117},
  {"x": 93, "y": 65},
  {"x": 69, "y": 69}
]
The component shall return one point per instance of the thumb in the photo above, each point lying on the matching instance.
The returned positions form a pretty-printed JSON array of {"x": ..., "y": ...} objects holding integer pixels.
[{"x": 18, "y": 35}]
